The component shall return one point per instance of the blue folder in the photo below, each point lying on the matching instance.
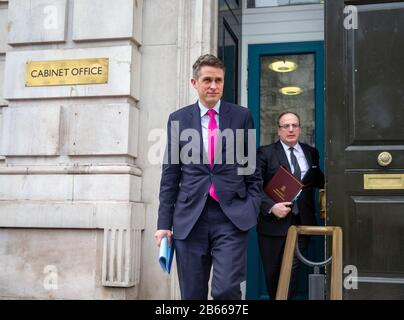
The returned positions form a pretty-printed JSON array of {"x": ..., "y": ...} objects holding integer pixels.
[
  {"x": 296, "y": 198},
  {"x": 166, "y": 254}
]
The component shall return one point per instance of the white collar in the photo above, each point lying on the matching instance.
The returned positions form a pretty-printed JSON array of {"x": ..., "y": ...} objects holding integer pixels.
[
  {"x": 297, "y": 147},
  {"x": 204, "y": 110}
]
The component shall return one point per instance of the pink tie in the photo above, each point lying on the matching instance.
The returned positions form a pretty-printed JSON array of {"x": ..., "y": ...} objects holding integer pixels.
[{"x": 212, "y": 140}]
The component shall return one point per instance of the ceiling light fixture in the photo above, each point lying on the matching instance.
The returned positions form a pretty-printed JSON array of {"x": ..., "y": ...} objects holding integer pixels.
[
  {"x": 291, "y": 91},
  {"x": 283, "y": 66}
]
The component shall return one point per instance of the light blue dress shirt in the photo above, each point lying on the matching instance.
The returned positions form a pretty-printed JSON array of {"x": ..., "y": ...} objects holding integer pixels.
[{"x": 205, "y": 121}]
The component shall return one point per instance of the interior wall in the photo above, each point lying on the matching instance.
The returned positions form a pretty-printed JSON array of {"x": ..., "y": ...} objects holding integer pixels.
[{"x": 278, "y": 25}]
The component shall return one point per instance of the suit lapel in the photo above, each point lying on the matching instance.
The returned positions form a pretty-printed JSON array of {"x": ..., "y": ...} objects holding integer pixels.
[
  {"x": 195, "y": 115},
  {"x": 309, "y": 159},
  {"x": 280, "y": 153},
  {"x": 224, "y": 123},
  {"x": 307, "y": 154},
  {"x": 224, "y": 116}
]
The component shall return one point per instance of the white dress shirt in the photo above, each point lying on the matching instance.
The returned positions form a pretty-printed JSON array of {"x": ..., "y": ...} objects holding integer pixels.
[{"x": 301, "y": 158}]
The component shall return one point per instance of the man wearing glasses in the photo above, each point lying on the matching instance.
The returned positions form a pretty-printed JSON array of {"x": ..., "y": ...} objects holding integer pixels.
[{"x": 302, "y": 161}]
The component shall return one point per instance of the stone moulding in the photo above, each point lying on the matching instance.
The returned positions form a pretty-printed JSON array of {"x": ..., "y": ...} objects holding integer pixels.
[
  {"x": 122, "y": 223},
  {"x": 72, "y": 169}
]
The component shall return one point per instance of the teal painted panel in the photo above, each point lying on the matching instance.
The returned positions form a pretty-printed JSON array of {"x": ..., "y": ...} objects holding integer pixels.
[{"x": 256, "y": 288}]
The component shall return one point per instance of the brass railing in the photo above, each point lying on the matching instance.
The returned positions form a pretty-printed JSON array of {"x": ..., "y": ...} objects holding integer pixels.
[{"x": 336, "y": 263}]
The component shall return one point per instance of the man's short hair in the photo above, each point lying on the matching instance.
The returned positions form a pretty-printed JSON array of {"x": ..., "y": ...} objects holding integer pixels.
[
  {"x": 286, "y": 112},
  {"x": 206, "y": 60}
]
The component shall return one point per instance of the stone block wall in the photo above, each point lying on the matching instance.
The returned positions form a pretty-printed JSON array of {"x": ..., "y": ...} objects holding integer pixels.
[
  {"x": 71, "y": 208},
  {"x": 78, "y": 192}
]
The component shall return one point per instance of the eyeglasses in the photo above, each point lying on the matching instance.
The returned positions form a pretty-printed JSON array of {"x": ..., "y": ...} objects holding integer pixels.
[{"x": 286, "y": 126}]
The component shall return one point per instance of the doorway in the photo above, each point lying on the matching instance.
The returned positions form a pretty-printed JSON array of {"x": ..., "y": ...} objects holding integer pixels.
[{"x": 285, "y": 76}]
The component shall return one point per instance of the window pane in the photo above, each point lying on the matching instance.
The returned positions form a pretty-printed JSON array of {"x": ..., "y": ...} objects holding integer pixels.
[{"x": 273, "y": 102}]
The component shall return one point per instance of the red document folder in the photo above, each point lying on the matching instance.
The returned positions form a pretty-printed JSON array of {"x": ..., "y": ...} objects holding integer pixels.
[{"x": 284, "y": 186}]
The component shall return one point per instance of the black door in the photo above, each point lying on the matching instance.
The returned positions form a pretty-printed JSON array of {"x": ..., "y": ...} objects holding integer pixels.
[
  {"x": 365, "y": 142},
  {"x": 229, "y": 46}
]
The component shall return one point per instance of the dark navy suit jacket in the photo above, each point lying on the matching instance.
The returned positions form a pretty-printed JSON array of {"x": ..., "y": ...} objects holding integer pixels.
[
  {"x": 184, "y": 187},
  {"x": 269, "y": 159}
]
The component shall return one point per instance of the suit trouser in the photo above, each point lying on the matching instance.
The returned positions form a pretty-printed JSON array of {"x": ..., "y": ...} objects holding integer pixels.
[
  {"x": 214, "y": 240},
  {"x": 271, "y": 249}
]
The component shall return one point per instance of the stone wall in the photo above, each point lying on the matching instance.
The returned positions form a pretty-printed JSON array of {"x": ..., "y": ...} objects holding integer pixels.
[
  {"x": 71, "y": 208},
  {"x": 175, "y": 33},
  {"x": 78, "y": 192}
]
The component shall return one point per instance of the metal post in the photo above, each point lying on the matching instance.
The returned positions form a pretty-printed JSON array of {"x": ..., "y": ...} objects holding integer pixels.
[
  {"x": 316, "y": 285},
  {"x": 316, "y": 280}
]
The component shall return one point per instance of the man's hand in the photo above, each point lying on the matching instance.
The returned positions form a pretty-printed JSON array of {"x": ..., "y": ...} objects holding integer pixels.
[
  {"x": 161, "y": 234},
  {"x": 281, "y": 209}
]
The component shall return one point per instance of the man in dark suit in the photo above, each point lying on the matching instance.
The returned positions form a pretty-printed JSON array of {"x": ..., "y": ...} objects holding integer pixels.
[
  {"x": 207, "y": 202},
  {"x": 276, "y": 218}
]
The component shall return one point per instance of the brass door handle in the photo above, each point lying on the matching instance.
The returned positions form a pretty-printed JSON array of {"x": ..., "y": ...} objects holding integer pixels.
[
  {"x": 384, "y": 158},
  {"x": 323, "y": 204}
]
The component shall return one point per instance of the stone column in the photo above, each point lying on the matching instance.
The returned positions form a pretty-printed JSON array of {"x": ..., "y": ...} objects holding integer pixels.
[
  {"x": 3, "y": 49},
  {"x": 175, "y": 34}
]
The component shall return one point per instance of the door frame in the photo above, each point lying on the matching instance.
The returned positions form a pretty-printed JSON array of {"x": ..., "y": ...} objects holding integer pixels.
[{"x": 255, "y": 51}]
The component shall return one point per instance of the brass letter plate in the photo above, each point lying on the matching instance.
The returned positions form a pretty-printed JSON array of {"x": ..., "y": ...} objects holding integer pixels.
[
  {"x": 383, "y": 181},
  {"x": 65, "y": 72}
]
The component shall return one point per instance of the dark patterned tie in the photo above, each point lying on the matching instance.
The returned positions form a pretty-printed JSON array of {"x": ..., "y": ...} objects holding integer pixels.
[{"x": 297, "y": 173}]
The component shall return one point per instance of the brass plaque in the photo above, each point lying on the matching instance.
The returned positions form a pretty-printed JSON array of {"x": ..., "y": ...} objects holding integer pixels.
[
  {"x": 383, "y": 181},
  {"x": 65, "y": 72}
]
